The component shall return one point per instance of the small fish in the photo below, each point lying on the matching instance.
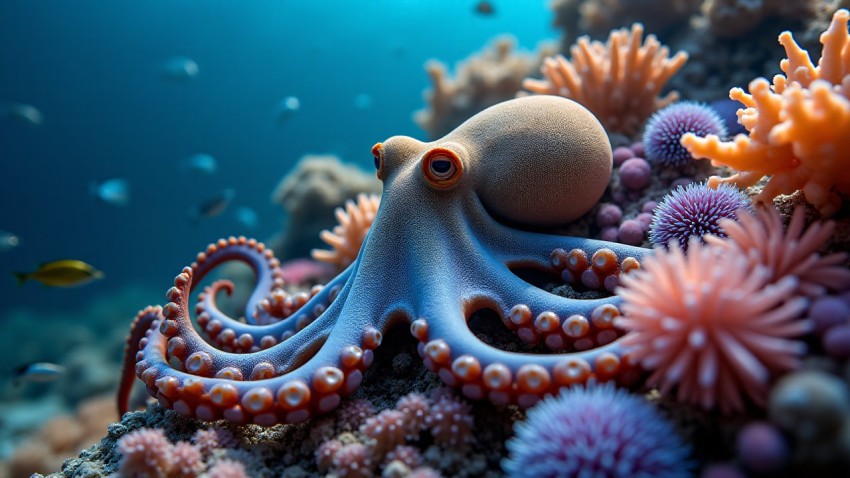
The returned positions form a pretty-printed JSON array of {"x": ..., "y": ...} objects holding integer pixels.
[
  {"x": 62, "y": 273},
  {"x": 8, "y": 241},
  {"x": 484, "y": 8},
  {"x": 23, "y": 113},
  {"x": 38, "y": 372},
  {"x": 247, "y": 217},
  {"x": 213, "y": 206},
  {"x": 199, "y": 163},
  {"x": 180, "y": 68},
  {"x": 286, "y": 109},
  {"x": 115, "y": 191}
]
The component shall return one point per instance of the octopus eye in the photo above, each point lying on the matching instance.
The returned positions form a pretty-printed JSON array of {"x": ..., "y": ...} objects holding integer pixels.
[
  {"x": 378, "y": 156},
  {"x": 442, "y": 168}
]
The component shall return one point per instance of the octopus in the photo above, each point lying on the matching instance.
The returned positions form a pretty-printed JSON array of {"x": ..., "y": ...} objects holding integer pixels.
[{"x": 458, "y": 219}]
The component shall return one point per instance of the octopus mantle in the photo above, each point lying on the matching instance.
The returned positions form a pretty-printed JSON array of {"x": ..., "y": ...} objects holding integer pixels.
[{"x": 457, "y": 217}]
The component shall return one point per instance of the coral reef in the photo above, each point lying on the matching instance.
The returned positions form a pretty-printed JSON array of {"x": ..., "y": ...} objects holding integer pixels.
[
  {"x": 309, "y": 194},
  {"x": 619, "y": 81},
  {"x": 798, "y": 127}
]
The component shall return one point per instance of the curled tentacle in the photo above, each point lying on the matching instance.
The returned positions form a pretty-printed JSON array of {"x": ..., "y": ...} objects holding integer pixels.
[
  {"x": 261, "y": 260},
  {"x": 186, "y": 346},
  {"x": 282, "y": 315},
  {"x": 138, "y": 329},
  {"x": 282, "y": 384}
]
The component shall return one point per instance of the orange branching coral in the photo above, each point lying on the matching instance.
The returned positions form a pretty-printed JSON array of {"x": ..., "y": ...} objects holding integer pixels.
[
  {"x": 347, "y": 237},
  {"x": 618, "y": 81},
  {"x": 799, "y": 128}
]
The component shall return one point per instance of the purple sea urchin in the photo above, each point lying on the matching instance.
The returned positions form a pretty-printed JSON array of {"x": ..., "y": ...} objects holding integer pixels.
[
  {"x": 694, "y": 210},
  {"x": 666, "y": 127},
  {"x": 596, "y": 431}
]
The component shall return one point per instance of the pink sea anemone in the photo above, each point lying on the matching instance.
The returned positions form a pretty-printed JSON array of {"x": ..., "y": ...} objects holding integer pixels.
[
  {"x": 711, "y": 324},
  {"x": 791, "y": 252}
]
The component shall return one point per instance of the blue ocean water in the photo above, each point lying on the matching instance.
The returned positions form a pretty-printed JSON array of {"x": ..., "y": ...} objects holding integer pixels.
[{"x": 93, "y": 68}]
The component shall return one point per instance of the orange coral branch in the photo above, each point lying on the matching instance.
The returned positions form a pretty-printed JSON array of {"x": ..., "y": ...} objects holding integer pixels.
[{"x": 799, "y": 130}]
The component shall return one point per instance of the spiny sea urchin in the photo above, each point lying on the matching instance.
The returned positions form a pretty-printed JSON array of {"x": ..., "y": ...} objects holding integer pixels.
[
  {"x": 695, "y": 210},
  {"x": 596, "y": 431},
  {"x": 666, "y": 127}
]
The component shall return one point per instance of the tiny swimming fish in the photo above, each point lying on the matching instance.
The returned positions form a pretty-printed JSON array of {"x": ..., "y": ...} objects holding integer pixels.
[
  {"x": 213, "y": 206},
  {"x": 180, "y": 68},
  {"x": 484, "y": 8},
  {"x": 8, "y": 241},
  {"x": 115, "y": 191},
  {"x": 62, "y": 273},
  {"x": 286, "y": 109},
  {"x": 199, "y": 163},
  {"x": 247, "y": 217},
  {"x": 27, "y": 114},
  {"x": 38, "y": 372}
]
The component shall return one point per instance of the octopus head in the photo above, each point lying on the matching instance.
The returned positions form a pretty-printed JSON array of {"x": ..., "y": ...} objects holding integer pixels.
[{"x": 537, "y": 160}]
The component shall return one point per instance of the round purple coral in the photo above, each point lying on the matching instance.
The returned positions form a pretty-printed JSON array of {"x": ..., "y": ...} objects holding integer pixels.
[
  {"x": 695, "y": 210},
  {"x": 596, "y": 431},
  {"x": 666, "y": 127}
]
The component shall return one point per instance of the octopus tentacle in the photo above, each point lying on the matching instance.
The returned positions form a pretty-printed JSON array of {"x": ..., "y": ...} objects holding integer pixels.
[
  {"x": 517, "y": 248},
  {"x": 253, "y": 253},
  {"x": 449, "y": 348},
  {"x": 138, "y": 329},
  {"x": 294, "y": 312},
  {"x": 187, "y": 347},
  {"x": 268, "y": 392},
  {"x": 565, "y": 324}
]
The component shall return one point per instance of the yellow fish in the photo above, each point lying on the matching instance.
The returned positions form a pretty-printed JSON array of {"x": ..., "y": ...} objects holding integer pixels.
[{"x": 64, "y": 273}]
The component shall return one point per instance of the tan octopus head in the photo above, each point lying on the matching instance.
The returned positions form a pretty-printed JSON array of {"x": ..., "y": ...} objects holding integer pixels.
[{"x": 537, "y": 160}]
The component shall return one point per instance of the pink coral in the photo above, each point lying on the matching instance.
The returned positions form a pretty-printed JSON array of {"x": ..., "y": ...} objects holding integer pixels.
[
  {"x": 212, "y": 438},
  {"x": 450, "y": 421},
  {"x": 353, "y": 413},
  {"x": 386, "y": 430},
  {"x": 711, "y": 324},
  {"x": 325, "y": 454},
  {"x": 227, "y": 469},
  {"x": 415, "y": 407},
  {"x": 353, "y": 461},
  {"x": 186, "y": 461},
  {"x": 408, "y": 455},
  {"x": 145, "y": 453}
]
